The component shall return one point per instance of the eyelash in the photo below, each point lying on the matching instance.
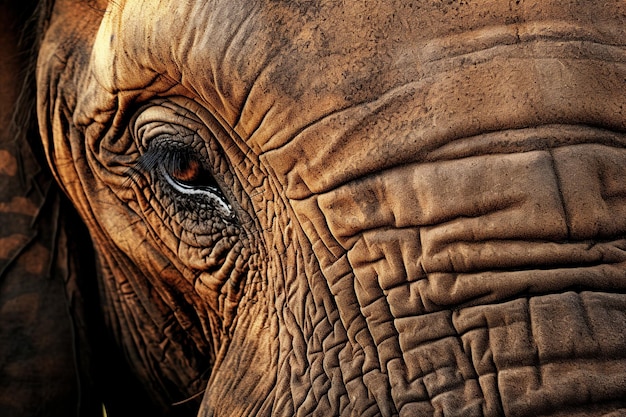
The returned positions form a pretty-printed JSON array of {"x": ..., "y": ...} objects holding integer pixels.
[{"x": 165, "y": 159}]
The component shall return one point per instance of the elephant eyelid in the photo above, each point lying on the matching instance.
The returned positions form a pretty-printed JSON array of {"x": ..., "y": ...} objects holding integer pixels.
[{"x": 170, "y": 158}]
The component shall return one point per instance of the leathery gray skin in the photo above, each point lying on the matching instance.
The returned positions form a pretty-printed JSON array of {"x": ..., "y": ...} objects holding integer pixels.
[{"x": 421, "y": 205}]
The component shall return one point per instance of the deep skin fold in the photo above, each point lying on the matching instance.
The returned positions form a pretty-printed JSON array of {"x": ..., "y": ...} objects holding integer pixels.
[{"x": 307, "y": 308}]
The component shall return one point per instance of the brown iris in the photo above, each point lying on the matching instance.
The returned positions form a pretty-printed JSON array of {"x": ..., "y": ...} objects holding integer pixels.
[{"x": 187, "y": 170}]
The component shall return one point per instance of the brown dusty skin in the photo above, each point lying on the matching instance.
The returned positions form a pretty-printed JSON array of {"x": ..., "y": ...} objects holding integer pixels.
[{"x": 422, "y": 206}]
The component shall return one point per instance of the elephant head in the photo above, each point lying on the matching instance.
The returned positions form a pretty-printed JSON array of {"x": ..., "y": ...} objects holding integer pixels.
[{"x": 351, "y": 208}]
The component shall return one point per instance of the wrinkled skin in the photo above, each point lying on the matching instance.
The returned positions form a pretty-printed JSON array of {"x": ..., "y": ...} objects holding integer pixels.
[{"x": 422, "y": 206}]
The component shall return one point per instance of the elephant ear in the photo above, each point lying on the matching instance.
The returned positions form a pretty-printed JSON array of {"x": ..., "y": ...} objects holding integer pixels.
[{"x": 44, "y": 354}]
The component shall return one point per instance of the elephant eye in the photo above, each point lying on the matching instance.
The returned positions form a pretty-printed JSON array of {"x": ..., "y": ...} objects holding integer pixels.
[
  {"x": 185, "y": 173},
  {"x": 186, "y": 169}
]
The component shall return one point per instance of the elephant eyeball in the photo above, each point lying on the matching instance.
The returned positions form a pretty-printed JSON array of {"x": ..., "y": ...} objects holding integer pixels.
[
  {"x": 187, "y": 171},
  {"x": 183, "y": 170}
]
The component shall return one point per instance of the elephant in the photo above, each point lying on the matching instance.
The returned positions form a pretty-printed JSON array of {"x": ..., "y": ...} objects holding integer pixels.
[{"x": 355, "y": 208}]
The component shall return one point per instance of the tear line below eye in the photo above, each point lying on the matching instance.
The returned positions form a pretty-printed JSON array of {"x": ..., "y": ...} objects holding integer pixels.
[{"x": 210, "y": 193}]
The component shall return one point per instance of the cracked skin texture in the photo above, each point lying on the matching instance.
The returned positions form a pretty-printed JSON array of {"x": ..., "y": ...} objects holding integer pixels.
[{"x": 428, "y": 198}]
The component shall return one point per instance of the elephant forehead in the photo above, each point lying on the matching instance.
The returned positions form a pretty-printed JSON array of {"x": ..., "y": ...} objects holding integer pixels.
[
  {"x": 295, "y": 62},
  {"x": 272, "y": 68}
]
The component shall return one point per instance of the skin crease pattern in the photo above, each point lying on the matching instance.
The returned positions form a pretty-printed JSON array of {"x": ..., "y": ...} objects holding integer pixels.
[{"x": 356, "y": 208}]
